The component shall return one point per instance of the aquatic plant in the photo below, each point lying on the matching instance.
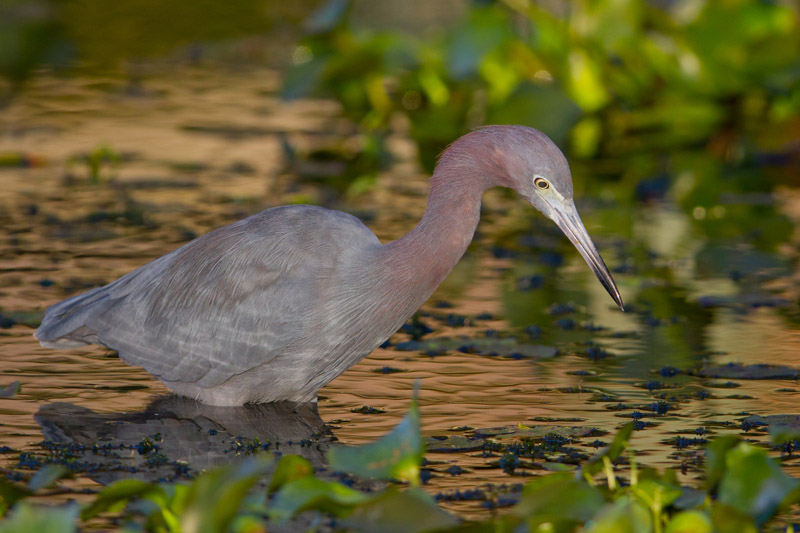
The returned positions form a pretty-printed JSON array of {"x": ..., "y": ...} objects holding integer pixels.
[
  {"x": 657, "y": 76},
  {"x": 743, "y": 489}
]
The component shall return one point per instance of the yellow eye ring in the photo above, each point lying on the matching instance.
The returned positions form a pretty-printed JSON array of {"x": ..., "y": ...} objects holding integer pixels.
[{"x": 541, "y": 183}]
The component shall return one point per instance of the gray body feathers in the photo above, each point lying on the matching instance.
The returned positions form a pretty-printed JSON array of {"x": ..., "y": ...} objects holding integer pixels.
[{"x": 242, "y": 314}]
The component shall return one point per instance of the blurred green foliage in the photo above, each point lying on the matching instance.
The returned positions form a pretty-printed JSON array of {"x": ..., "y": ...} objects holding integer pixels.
[
  {"x": 116, "y": 36},
  {"x": 605, "y": 78},
  {"x": 744, "y": 489}
]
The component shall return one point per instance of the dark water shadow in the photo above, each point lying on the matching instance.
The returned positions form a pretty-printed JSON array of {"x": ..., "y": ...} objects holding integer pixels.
[{"x": 176, "y": 437}]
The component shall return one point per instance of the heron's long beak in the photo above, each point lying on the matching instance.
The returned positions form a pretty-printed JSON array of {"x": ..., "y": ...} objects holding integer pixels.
[{"x": 569, "y": 221}]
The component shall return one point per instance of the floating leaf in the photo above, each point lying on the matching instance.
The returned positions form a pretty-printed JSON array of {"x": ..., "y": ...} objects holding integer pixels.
[
  {"x": 738, "y": 371},
  {"x": 781, "y": 427},
  {"x": 454, "y": 443},
  {"x": 537, "y": 432},
  {"x": 783, "y": 434}
]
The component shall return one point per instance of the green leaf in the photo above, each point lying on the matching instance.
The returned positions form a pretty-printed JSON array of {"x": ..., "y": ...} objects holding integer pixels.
[
  {"x": 215, "y": 497},
  {"x": 27, "y": 517},
  {"x": 290, "y": 468},
  {"x": 585, "y": 83},
  {"x": 612, "y": 451},
  {"x": 393, "y": 511},
  {"x": 726, "y": 519},
  {"x": 396, "y": 455},
  {"x": 625, "y": 515},
  {"x": 46, "y": 476},
  {"x": 10, "y": 492},
  {"x": 690, "y": 522},
  {"x": 116, "y": 496},
  {"x": 651, "y": 492},
  {"x": 716, "y": 452},
  {"x": 503, "y": 524},
  {"x": 753, "y": 483},
  {"x": 560, "y": 495},
  {"x": 311, "y": 493}
]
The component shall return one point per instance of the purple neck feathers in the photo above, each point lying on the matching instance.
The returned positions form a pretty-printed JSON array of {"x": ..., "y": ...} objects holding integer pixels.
[{"x": 423, "y": 258}]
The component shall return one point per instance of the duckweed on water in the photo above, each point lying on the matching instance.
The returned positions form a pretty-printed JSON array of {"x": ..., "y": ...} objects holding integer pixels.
[{"x": 743, "y": 490}]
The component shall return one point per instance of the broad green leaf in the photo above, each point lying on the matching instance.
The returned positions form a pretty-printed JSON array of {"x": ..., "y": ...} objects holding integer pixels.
[
  {"x": 625, "y": 515},
  {"x": 651, "y": 492},
  {"x": 586, "y": 137},
  {"x": 177, "y": 497},
  {"x": 727, "y": 519},
  {"x": 393, "y": 511},
  {"x": 27, "y": 517},
  {"x": 289, "y": 468},
  {"x": 434, "y": 87},
  {"x": 585, "y": 83},
  {"x": 396, "y": 455},
  {"x": 10, "y": 493},
  {"x": 116, "y": 496},
  {"x": 310, "y": 493},
  {"x": 716, "y": 451},
  {"x": 754, "y": 483},
  {"x": 560, "y": 495},
  {"x": 217, "y": 495},
  {"x": 690, "y": 522}
]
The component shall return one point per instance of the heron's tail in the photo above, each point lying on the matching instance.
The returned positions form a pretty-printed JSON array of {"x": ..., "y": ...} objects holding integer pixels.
[{"x": 66, "y": 324}]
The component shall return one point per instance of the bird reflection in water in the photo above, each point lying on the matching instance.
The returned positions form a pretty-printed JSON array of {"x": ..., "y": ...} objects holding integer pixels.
[{"x": 177, "y": 437}]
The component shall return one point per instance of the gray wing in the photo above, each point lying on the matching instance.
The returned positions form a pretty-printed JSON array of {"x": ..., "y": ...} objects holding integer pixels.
[{"x": 220, "y": 305}]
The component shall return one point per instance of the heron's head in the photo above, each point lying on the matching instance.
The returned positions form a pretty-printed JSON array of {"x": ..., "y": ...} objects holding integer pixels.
[{"x": 527, "y": 161}]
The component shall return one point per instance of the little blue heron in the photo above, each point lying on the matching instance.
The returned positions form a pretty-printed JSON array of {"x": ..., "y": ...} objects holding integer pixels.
[{"x": 275, "y": 306}]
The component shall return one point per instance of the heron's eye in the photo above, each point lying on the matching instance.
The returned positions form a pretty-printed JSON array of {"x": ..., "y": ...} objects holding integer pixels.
[{"x": 541, "y": 183}]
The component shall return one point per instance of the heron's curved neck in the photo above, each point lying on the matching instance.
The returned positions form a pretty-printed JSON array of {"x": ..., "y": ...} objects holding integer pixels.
[{"x": 425, "y": 256}]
